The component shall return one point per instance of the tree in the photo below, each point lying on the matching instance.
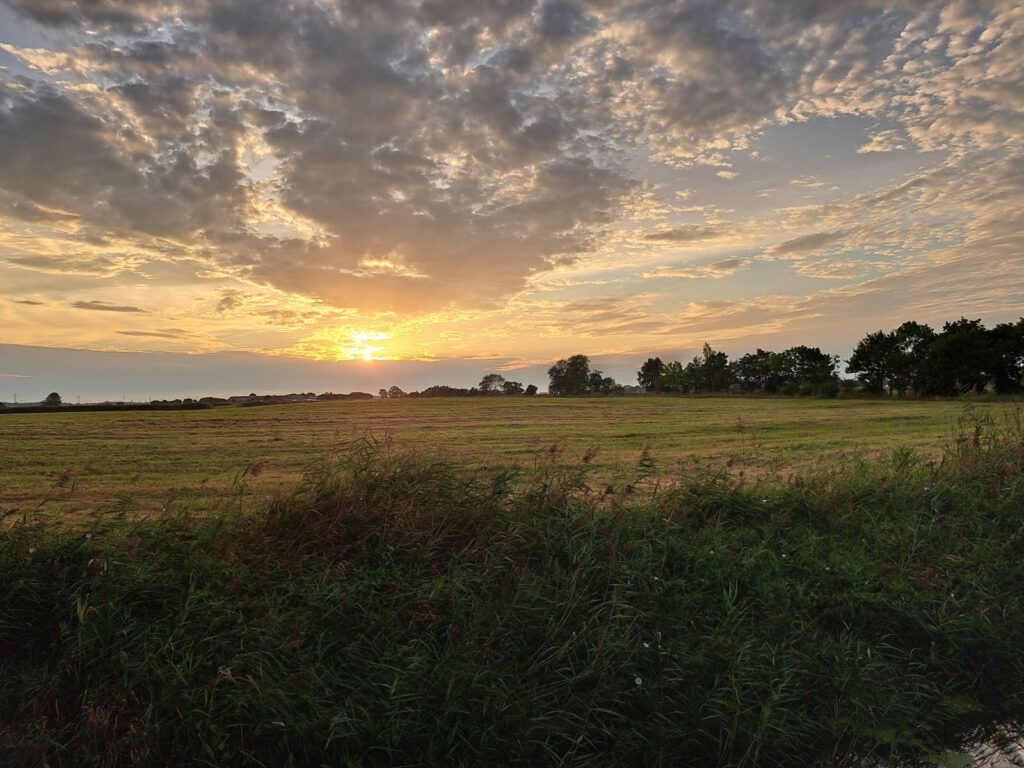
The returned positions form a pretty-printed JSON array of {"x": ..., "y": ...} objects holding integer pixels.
[
  {"x": 531, "y": 390},
  {"x": 491, "y": 384},
  {"x": 871, "y": 361},
  {"x": 650, "y": 373},
  {"x": 512, "y": 388},
  {"x": 960, "y": 359},
  {"x": 708, "y": 372},
  {"x": 394, "y": 392},
  {"x": 569, "y": 377},
  {"x": 674, "y": 378},
  {"x": 52, "y": 399},
  {"x": 810, "y": 371},
  {"x": 1007, "y": 340},
  {"x": 383, "y": 394},
  {"x": 760, "y": 371},
  {"x": 910, "y": 345}
]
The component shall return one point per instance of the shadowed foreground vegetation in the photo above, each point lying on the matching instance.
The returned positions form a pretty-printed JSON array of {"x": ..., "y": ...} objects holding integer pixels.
[{"x": 395, "y": 611}]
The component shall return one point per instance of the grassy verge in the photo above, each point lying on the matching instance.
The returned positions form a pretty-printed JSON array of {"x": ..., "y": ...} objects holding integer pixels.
[{"x": 394, "y": 611}]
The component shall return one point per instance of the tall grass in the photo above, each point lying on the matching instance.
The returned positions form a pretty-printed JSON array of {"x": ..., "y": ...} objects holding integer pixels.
[{"x": 397, "y": 611}]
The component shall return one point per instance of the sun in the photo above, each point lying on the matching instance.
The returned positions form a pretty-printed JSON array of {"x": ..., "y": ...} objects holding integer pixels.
[{"x": 358, "y": 346}]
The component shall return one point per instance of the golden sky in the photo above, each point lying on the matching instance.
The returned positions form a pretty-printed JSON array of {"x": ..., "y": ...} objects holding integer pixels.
[{"x": 507, "y": 182}]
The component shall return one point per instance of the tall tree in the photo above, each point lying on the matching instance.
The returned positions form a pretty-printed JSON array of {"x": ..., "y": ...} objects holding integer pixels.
[
  {"x": 871, "y": 361},
  {"x": 760, "y": 371},
  {"x": 650, "y": 373},
  {"x": 569, "y": 377},
  {"x": 710, "y": 371},
  {"x": 1007, "y": 340},
  {"x": 810, "y": 371},
  {"x": 674, "y": 378},
  {"x": 910, "y": 345},
  {"x": 960, "y": 359},
  {"x": 491, "y": 384}
]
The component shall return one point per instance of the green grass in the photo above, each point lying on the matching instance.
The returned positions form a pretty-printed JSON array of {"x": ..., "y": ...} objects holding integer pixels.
[
  {"x": 80, "y": 463},
  {"x": 396, "y": 610}
]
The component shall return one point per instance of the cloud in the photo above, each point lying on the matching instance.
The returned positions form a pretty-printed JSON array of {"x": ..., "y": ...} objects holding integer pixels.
[
  {"x": 230, "y": 300},
  {"x": 804, "y": 244},
  {"x": 103, "y": 306},
  {"x": 687, "y": 233},
  {"x": 721, "y": 268},
  {"x": 443, "y": 158},
  {"x": 883, "y": 141},
  {"x": 170, "y": 333},
  {"x": 28, "y": 302}
]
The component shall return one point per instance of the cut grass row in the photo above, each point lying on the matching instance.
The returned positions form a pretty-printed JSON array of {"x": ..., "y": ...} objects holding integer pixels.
[
  {"x": 394, "y": 610},
  {"x": 78, "y": 463}
]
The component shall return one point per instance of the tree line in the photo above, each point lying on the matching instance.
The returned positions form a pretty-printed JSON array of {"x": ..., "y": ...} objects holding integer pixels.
[
  {"x": 491, "y": 384},
  {"x": 911, "y": 359}
]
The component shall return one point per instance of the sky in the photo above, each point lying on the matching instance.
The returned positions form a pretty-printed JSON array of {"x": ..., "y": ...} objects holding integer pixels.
[{"x": 224, "y": 196}]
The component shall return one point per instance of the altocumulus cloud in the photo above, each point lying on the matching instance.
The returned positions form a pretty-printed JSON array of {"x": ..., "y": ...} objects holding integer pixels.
[{"x": 406, "y": 155}]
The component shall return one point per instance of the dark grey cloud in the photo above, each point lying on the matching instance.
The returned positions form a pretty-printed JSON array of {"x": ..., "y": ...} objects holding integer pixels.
[
  {"x": 104, "y": 306},
  {"x": 230, "y": 300},
  {"x": 28, "y": 302},
  {"x": 688, "y": 233},
  {"x": 715, "y": 269},
  {"x": 804, "y": 244},
  {"x": 169, "y": 333}
]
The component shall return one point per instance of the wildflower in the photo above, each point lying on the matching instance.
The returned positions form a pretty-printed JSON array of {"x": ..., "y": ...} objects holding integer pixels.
[
  {"x": 639, "y": 681},
  {"x": 764, "y": 501},
  {"x": 88, "y": 535},
  {"x": 656, "y": 578},
  {"x": 31, "y": 550},
  {"x": 783, "y": 556},
  {"x": 647, "y": 645}
]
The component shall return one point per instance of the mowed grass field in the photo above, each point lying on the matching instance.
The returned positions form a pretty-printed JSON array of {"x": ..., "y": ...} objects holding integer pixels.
[{"x": 140, "y": 461}]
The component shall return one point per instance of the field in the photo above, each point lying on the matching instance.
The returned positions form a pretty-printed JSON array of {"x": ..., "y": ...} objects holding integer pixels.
[
  {"x": 74, "y": 463},
  {"x": 829, "y": 584}
]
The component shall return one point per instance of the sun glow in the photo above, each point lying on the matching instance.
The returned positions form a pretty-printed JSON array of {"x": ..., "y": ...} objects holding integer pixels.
[{"x": 359, "y": 347}]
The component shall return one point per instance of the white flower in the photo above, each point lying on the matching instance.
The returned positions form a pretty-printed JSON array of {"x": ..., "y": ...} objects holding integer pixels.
[
  {"x": 783, "y": 557},
  {"x": 656, "y": 578},
  {"x": 31, "y": 550},
  {"x": 764, "y": 501},
  {"x": 639, "y": 681},
  {"x": 647, "y": 645}
]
